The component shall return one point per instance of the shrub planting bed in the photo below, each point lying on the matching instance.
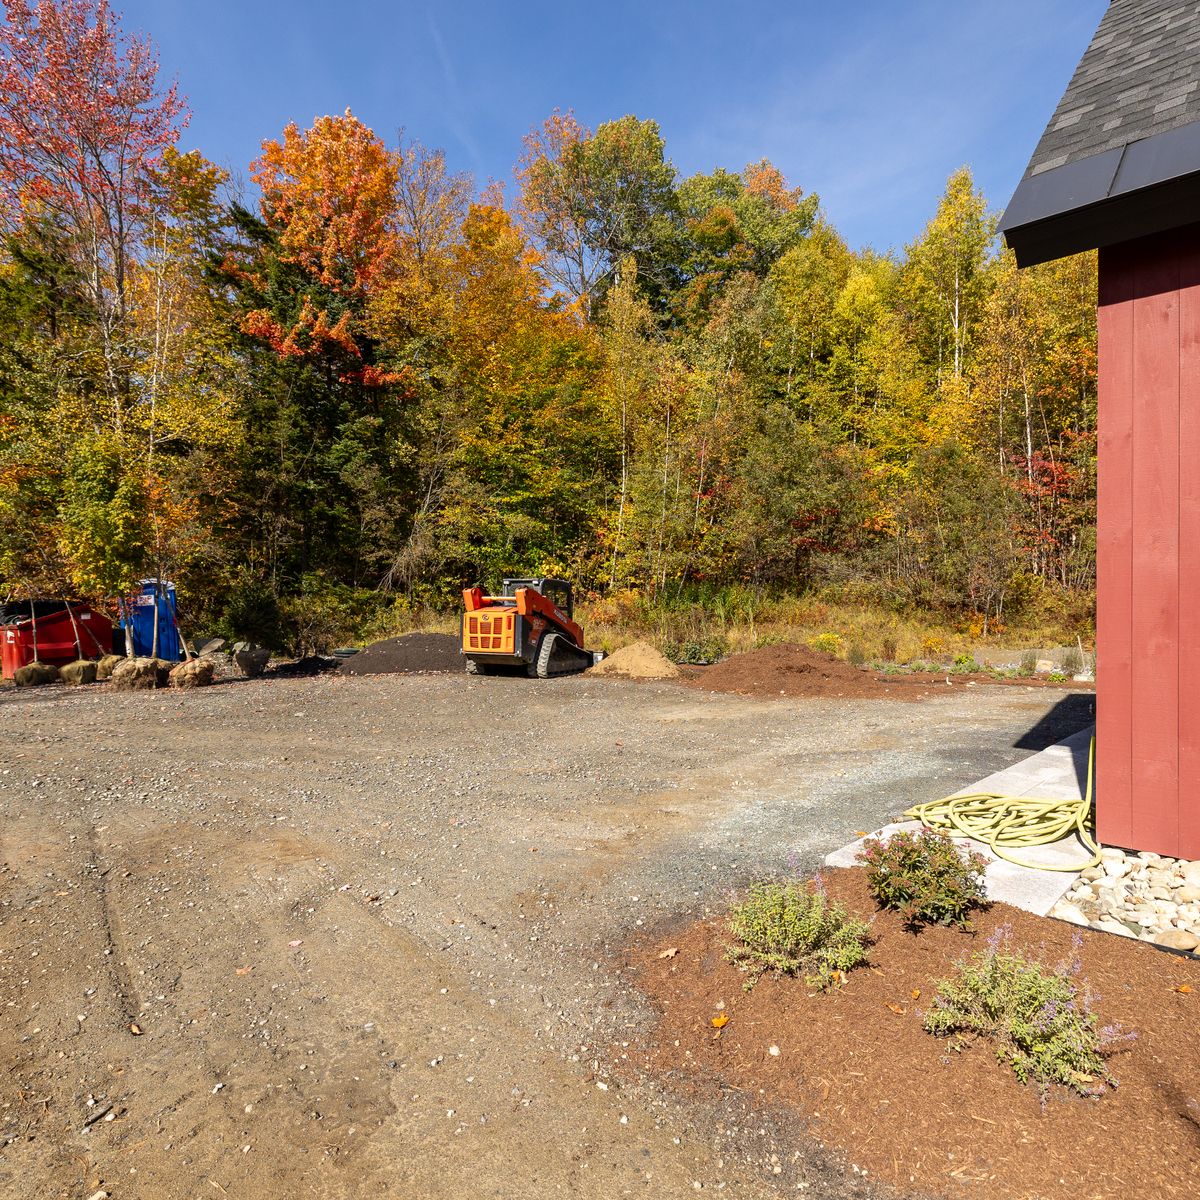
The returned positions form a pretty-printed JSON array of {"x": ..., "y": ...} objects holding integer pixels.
[{"x": 943, "y": 1116}]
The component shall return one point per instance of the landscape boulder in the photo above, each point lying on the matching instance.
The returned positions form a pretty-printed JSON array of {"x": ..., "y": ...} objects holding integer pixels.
[
  {"x": 140, "y": 674},
  {"x": 81, "y": 671},
  {"x": 251, "y": 660},
  {"x": 35, "y": 675},
  {"x": 197, "y": 672},
  {"x": 108, "y": 664}
]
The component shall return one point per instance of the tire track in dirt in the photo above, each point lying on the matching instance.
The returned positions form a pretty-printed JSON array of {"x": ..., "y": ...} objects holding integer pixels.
[{"x": 96, "y": 871}]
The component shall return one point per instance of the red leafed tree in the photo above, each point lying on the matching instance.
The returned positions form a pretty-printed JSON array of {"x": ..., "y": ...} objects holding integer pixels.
[{"x": 82, "y": 124}]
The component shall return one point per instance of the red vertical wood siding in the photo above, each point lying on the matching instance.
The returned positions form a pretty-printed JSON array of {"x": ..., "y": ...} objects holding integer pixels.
[{"x": 1148, "y": 546}]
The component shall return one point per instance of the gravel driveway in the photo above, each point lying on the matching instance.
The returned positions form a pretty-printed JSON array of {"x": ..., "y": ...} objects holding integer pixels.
[{"x": 362, "y": 936}]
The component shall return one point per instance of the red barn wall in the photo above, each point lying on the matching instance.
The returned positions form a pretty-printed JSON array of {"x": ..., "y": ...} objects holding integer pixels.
[{"x": 1148, "y": 546}]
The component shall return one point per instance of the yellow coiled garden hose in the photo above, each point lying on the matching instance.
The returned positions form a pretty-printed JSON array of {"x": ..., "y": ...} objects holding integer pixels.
[{"x": 1006, "y": 823}]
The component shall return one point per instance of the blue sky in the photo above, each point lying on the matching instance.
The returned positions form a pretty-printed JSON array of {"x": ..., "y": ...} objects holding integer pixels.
[{"x": 869, "y": 103}]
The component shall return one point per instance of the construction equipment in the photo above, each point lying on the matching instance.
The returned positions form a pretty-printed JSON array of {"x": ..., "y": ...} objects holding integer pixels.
[{"x": 529, "y": 627}]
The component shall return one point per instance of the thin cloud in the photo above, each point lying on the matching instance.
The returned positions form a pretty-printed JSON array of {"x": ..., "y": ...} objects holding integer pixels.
[{"x": 455, "y": 109}]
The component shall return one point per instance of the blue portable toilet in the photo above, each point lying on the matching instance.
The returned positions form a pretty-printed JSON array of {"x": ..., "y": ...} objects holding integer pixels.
[{"x": 138, "y": 620}]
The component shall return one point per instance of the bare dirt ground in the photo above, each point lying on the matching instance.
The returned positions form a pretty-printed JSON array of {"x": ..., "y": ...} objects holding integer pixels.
[{"x": 348, "y": 937}]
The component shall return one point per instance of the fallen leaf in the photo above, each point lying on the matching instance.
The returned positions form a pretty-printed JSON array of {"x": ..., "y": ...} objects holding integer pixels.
[
  {"x": 244, "y": 970},
  {"x": 720, "y": 1020},
  {"x": 296, "y": 942},
  {"x": 916, "y": 993},
  {"x": 897, "y": 1009},
  {"x": 135, "y": 1029},
  {"x": 374, "y": 899},
  {"x": 674, "y": 950},
  {"x": 860, "y": 833},
  {"x": 1184, "y": 989}
]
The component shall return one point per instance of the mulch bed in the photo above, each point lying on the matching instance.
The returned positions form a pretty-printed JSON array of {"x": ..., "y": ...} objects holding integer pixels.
[
  {"x": 412, "y": 653},
  {"x": 787, "y": 669},
  {"x": 859, "y": 1070}
]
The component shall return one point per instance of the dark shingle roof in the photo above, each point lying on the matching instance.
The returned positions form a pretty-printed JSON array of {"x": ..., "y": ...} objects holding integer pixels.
[
  {"x": 1139, "y": 77},
  {"x": 1120, "y": 158}
]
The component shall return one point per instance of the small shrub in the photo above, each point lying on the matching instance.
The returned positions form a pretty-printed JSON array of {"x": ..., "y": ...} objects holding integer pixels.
[
  {"x": 788, "y": 928},
  {"x": 889, "y": 649},
  {"x": 826, "y": 643},
  {"x": 966, "y": 664},
  {"x": 856, "y": 655},
  {"x": 925, "y": 877},
  {"x": 697, "y": 650},
  {"x": 1029, "y": 661},
  {"x": 922, "y": 666},
  {"x": 1056, "y": 677},
  {"x": 1040, "y": 1019},
  {"x": 1072, "y": 662},
  {"x": 933, "y": 647}
]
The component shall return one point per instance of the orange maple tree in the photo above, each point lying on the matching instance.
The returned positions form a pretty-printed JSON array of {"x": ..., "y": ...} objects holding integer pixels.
[{"x": 331, "y": 194}]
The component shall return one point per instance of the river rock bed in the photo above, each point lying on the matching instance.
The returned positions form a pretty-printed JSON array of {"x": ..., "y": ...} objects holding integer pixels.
[{"x": 1143, "y": 895}]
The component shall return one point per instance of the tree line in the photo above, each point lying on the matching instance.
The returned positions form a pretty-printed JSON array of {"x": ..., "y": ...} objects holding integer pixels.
[{"x": 372, "y": 384}]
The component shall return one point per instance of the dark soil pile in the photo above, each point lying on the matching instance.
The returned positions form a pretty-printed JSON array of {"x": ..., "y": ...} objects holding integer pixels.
[
  {"x": 790, "y": 670},
  {"x": 412, "y": 653},
  {"x": 304, "y": 668},
  {"x": 859, "y": 1070}
]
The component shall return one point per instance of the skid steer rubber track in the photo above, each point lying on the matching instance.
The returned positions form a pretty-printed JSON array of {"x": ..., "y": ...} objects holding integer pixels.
[{"x": 558, "y": 656}]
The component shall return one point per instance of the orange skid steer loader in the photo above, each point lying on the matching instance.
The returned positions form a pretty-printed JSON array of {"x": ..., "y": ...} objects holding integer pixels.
[{"x": 528, "y": 627}]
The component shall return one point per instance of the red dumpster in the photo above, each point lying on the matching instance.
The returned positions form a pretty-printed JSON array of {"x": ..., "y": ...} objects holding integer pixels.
[{"x": 64, "y": 633}]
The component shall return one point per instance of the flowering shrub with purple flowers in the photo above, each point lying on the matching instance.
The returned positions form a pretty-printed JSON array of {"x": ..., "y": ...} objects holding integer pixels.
[
  {"x": 1040, "y": 1017},
  {"x": 925, "y": 877}
]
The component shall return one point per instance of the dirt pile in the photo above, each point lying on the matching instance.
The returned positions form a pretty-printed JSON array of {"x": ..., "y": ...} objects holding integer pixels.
[
  {"x": 859, "y": 1069},
  {"x": 305, "y": 668},
  {"x": 790, "y": 670},
  {"x": 414, "y": 653},
  {"x": 637, "y": 661}
]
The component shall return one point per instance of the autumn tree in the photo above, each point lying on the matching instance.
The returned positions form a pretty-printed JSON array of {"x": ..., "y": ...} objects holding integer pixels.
[
  {"x": 91, "y": 184},
  {"x": 944, "y": 283},
  {"x": 525, "y": 471},
  {"x": 1035, "y": 380},
  {"x": 733, "y": 222},
  {"x": 588, "y": 200},
  {"x": 83, "y": 123},
  {"x": 805, "y": 283}
]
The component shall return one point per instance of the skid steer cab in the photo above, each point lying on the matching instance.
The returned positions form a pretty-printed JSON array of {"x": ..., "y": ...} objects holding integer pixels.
[{"x": 529, "y": 628}]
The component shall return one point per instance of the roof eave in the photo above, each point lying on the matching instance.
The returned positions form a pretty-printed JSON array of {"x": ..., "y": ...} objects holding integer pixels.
[
  {"x": 1146, "y": 187},
  {"x": 1107, "y": 222}
]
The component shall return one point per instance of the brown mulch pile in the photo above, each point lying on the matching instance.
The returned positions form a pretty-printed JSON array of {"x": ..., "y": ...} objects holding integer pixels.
[
  {"x": 414, "y": 652},
  {"x": 860, "y": 1071},
  {"x": 786, "y": 669}
]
